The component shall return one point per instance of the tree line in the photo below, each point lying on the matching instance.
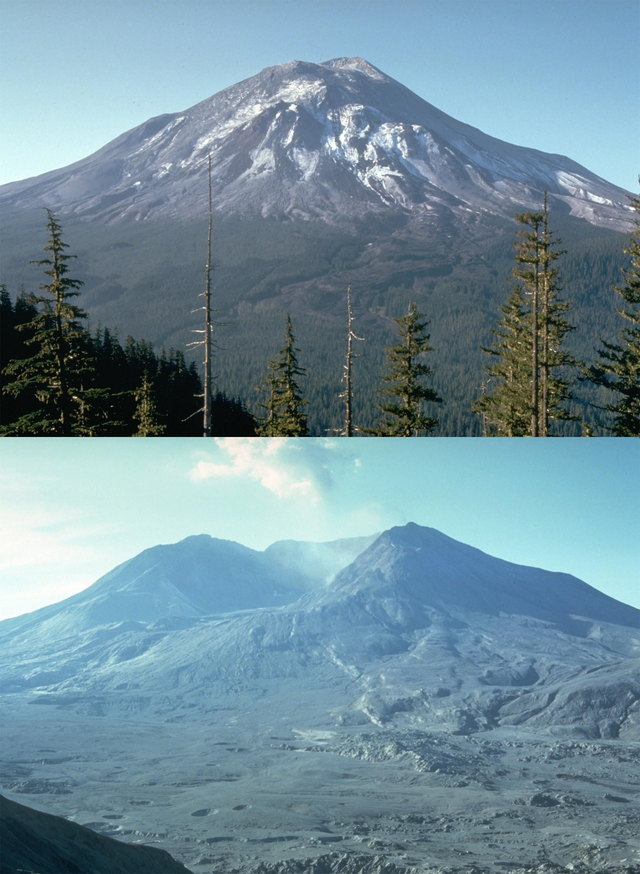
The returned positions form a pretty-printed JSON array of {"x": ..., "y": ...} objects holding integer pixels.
[{"x": 62, "y": 380}]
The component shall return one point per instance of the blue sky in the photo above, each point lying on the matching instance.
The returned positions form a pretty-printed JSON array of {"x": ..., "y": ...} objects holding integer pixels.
[
  {"x": 557, "y": 75},
  {"x": 71, "y": 509}
]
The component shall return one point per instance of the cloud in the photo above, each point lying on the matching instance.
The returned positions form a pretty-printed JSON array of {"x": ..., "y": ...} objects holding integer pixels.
[
  {"x": 287, "y": 467},
  {"x": 41, "y": 536},
  {"x": 47, "y": 549}
]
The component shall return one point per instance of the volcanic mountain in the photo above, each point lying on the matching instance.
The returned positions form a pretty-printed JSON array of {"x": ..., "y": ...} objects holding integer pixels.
[
  {"x": 417, "y": 617},
  {"x": 331, "y": 140},
  {"x": 429, "y": 708},
  {"x": 429, "y": 571},
  {"x": 198, "y": 576},
  {"x": 323, "y": 175}
]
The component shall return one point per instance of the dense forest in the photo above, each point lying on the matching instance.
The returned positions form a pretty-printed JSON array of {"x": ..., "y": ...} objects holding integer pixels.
[
  {"x": 60, "y": 379},
  {"x": 132, "y": 389}
]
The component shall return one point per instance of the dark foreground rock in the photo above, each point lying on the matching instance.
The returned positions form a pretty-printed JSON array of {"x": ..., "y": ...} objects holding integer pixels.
[{"x": 39, "y": 843}]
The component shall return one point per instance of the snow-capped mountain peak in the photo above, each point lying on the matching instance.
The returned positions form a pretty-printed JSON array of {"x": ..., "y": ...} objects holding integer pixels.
[{"x": 329, "y": 140}]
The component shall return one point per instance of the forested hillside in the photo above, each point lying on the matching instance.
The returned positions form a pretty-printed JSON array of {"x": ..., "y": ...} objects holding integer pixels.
[{"x": 144, "y": 280}]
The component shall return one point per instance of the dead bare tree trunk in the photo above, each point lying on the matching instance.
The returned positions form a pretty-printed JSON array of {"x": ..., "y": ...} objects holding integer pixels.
[
  {"x": 207, "y": 334},
  {"x": 348, "y": 392}
]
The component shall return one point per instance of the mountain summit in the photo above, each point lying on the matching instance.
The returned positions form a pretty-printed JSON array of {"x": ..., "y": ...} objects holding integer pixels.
[
  {"x": 198, "y": 576},
  {"x": 410, "y": 614},
  {"x": 331, "y": 140},
  {"x": 425, "y": 569}
]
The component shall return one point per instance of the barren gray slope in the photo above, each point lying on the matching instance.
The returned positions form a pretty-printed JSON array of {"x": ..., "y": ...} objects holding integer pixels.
[
  {"x": 329, "y": 140},
  {"x": 198, "y": 576},
  {"x": 429, "y": 569},
  {"x": 419, "y": 629},
  {"x": 31, "y": 841}
]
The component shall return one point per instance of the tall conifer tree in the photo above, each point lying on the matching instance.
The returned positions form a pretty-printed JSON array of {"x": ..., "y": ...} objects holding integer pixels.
[
  {"x": 528, "y": 381},
  {"x": 59, "y": 368},
  {"x": 404, "y": 393},
  {"x": 284, "y": 405},
  {"x": 527, "y": 272},
  {"x": 555, "y": 360},
  {"x": 618, "y": 367}
]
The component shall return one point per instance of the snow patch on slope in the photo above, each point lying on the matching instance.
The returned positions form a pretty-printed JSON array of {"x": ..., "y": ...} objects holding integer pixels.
[{"x": 281, "y": 142}]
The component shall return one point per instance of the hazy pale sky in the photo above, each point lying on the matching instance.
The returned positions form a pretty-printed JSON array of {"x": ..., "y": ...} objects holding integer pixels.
[
  {"x": 557, "y": 75},
  {"x": 72, "y": 509}
]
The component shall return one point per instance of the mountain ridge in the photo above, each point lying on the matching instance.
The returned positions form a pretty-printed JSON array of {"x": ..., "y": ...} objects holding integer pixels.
[
  {"x": 172, "y": 581},
  {"x": 418, "y": 630},
  {"x": 449, "y": 557},
  {"x": 330, "y": 140}
]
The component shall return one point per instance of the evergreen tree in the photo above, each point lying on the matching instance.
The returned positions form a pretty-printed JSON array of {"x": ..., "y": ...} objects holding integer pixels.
[
  {"x": 618, "y": 367},
  {"x": 57, "y": 369},
  {"x": 403, "y": 417},
  {"x": 146, "y": 414},
  {"x": 529, "y": 383},
  {"x": 555, "y": 388},
  {"x": 284, "y": 405},
  {"x": 506, "y": 411},
  {"x": 527, "y": 272},
  {"x": 268, "y": 426}
]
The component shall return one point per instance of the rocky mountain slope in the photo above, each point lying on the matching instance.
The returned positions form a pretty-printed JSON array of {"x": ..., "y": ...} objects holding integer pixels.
[
  {"x": 419, "y": 629},
  {"x": 198, "y": 576},
  {"x": 331, "y": 140}
]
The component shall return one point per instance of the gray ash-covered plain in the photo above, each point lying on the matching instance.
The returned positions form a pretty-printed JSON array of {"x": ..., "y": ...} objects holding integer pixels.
[
  {"x": 246, "y": 787},
  {"x": 384, "y": 722}
]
